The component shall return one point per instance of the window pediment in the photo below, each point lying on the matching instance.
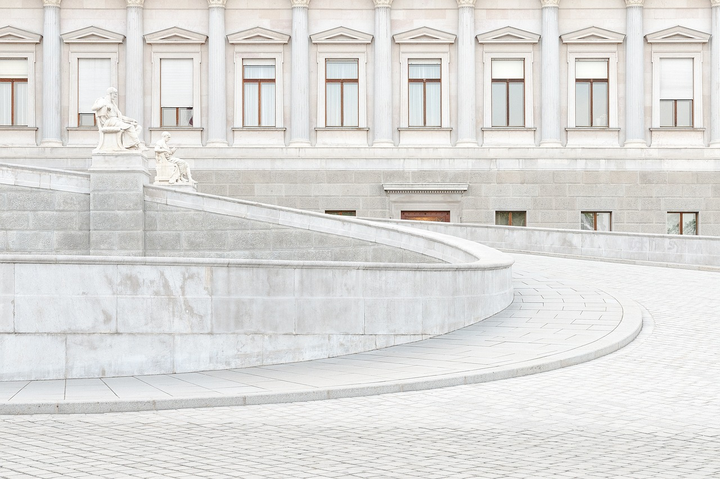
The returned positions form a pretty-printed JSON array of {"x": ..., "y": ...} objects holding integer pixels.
[
  {"x": 424, "y": 35},
  {"x": 341, "y": 35},
  {"x": 678, "y": 34},
  {"x": 10, "y": 34},
  {"x": 593, "y": 35},
  {"x": 258, "y": 35},
  {"x": 175, "y": 35},
  {"x": 92, "y": 34},
  {"x": 508, "y": 35}
]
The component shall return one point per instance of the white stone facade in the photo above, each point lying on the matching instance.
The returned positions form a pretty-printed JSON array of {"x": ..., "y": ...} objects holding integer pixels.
[{"x": 220, "y": 110}]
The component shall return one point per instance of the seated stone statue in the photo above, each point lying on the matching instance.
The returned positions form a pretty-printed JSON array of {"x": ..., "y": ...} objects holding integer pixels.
[
  {"x": 111, "y": 122},
  {"x": 170, "y": 170}
]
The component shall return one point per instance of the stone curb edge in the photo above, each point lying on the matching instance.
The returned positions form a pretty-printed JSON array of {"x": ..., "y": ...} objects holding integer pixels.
[{"x": 622, "y": 335}]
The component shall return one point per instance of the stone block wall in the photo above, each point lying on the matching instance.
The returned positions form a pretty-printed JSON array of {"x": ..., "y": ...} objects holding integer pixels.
[{"x": 40, "y": 221}]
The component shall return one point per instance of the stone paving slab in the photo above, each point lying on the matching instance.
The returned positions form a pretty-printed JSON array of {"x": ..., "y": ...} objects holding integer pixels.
[{"x": 551, "y": 324}]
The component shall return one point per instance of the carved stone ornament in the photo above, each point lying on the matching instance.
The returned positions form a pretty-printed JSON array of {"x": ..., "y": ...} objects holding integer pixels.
[
  {"x": 51, "y": 3},
  {"x": 550, "y": 3},
  {"x": 715, "y": 3},
  {"x": 300, "y": 3},
  {"x": 634, "y": 3},
  {"x": 217, "y": 3},
  {"x": 383, "y": 3},
  {"x": 169, "y": 169},
  {"x": 135, "y": 3},
  {"x": 117, "y": 132},
  {"x": 466, "y": 3}
]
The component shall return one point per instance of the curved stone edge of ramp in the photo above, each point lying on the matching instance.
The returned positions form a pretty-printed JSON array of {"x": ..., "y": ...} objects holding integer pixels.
[{"x": 627, "y": 330}]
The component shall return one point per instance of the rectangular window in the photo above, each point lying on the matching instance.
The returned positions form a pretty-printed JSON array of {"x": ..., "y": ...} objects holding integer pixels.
[
  {"x": 176, "y": 92},
  {"x": 341, "y": 93},
  {"x": 258, "y": 93},
  {"x": 510, "y": 218},
  {"x": 93, "y": 82},
  {"x": 595, "y": 221},
  {"x": 424, "y": 100},
  {"x": 676, "y": 92},
  {"x": 13, "y": 92},
  {"x": 682, "y": 223},
  {"x": 340, "y": 212},
  {"x": 508, "y": 93},
  {"x": 437, "y": 216},
  {"x": 591, "y": 93}
]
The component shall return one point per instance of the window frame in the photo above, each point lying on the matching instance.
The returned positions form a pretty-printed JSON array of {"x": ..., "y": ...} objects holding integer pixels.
[
  {"x": 595, "y": 213},
  {"x": 506, "y": 82},
  {"x": 696, "y": 114},
  {"x": 592, "y": 82},
  {"x": 341, "y": 51},
  {"x": 157, "y": 57},
  {"x": 527, "y": 57},
  {"x": 30, "y": 58},
  {"x": 680, "y": 229},
  {"x": 510, "y": 212},
  {"x": 406, "y": 57},
  {"x": 12, "y": 82},
  {"x": 259, "y": 82},
  {"x": 424, "y": 82},
  {"x": 75, "y": 57},
  {"x": 342, "y": 92}
]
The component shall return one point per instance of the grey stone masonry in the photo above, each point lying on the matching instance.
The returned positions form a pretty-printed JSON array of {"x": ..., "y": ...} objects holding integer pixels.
[{"x": 117, "y": 206}]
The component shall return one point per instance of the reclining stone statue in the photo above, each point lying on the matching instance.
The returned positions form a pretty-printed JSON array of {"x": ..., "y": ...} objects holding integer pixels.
[
  {"x": 170, "y": 170},
  {"x": 117, "y": 132}
]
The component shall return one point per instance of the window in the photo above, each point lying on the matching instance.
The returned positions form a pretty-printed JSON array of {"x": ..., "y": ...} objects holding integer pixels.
[
  {"x": 258, "y": 93},
  {"x": 176, "y": 92},
  {"x": 508, "y": 93},
  {"x": 591, "y": 93},
  {"x": 595, "y": 221},
  {"x": 340, "y": 212},
  {"x": 676, "y": 92},
  {"x": 93, "y": 81},
  {"x": 682, "y": 223},
  {"x": 13, "y": 92},
  {"x": 424, "y": 98},
  {"x": 437, "y": 216},
  {"x": 341, "y": 93},
  {"x": 510, "y": 218}
]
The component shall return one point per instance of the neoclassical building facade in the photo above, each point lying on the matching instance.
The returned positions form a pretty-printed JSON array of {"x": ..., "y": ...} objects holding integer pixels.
[{"x": 549, "y": 113}]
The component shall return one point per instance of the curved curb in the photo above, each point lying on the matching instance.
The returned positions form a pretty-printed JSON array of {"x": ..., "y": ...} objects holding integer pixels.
[{"x": 628, "y": 329}]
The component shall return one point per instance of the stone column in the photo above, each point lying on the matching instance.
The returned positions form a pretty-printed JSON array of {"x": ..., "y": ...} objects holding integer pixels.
[
  {"x": 634, "y": 75},
  {"x": 550, "y": 128},
  {"x": 134, "y": 63},
  {"x": 217, "y": 93},
  {"x": 300, "y": 73},
  {"x": 715, "y": 76},
  {"x": 466, "y": 74},
  {"x": 382, "y": 89},
  {"x": 52, "y": 52}
]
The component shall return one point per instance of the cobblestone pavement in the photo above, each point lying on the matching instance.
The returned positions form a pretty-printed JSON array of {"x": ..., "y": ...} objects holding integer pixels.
[{"x": 650, "y": 410}]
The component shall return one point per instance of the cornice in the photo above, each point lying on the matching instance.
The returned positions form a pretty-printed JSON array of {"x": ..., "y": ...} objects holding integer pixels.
[
  {"x": 550, "y": 3},
  {"x": 300, "y": 3},
  {"x": 634, "y": 3},
  {"x": 383, "y": 3},
  {"x": 51, "y": 3},
  {"x": 466, "y": 3},
  {"x": 135, "y": 3},
  {"x": 217, "y": 3}
]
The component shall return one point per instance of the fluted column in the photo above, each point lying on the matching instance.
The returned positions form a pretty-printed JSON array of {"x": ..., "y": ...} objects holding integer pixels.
[
  {"x": 382, "y": 95},
  {"x": 466, "y": 74},
  {"x": 634, "y": 75},
  {"x": 52, "y": 119},
  {"x": 550, "y": 128},
  {"x": 300, "y": 72},
  {"x": 715, "y": 76},
  {"x": 134, "y": 63},
  {"x": 217, "y": 93}
]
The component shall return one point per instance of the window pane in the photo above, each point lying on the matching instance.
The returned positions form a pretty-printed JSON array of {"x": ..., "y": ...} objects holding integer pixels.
[
  {"x": 673, "y": 223},
  {"x": 603, "y": 221},
  {"x": 342, "y": 70},
  {"x": 21, "y": 103},
  {"x": 415, "y": 104},
  {"x": 256, "y": 72},
  {"x": 676, "y": 78},
  {"x": 251, "y": 99},
  {"x": 333, "y": 104},
  {"x": 432, "y": 105},
  {"x": 684, "y": 113},
  {"x": 87, "y": 119},
  {"x": 5, "y": 103},
  {"x": 667, "y": 113},
  {"x": 582, "y": 104},
  {"x": 186, "y": 117},
  {"x": 14, "y": 68},
  {"x": 518, "y": 218},
  {"x": 169, "y": 117},
  {"x": 689, "y": 223},
  {"x": 350, "y": 104},
  {"x": 93, "y": 81},
  {"x": 499, "y": 104},
  {"x": 176, "y": 82},
  {"x": 502, "y": 218},
  {"x": 426, "y": 72},
  {"x": 587, "y": 221},
  {"x": 517, "y": 104},
  {"x": 508, "y": 69},
  {"x": 267, "y": 113},
  {"x": 591, "y": 69},
  {"x": 600, "y": 104}
]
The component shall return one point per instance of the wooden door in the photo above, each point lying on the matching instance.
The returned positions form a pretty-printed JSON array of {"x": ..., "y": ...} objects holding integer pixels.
[{"x": 440, "y": 216}]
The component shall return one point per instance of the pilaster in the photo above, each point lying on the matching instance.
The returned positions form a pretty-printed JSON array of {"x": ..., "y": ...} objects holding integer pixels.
[
  {"x": 550, "y": 86},
  {"x": 466, "y": 74},
  {"x": 217, "y": 88},
  {"x": 52, "y": 52},
  {"x": 634, "y": 75},
  {"x": 300, "y": 74},
  {"x": 134, "y": 68},
  {"x": 382, "y": 95},
  {"x": 715, "y": 76}
]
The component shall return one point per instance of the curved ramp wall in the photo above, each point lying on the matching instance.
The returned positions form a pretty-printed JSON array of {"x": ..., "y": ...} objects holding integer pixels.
[{"x": 90, "y": 316}]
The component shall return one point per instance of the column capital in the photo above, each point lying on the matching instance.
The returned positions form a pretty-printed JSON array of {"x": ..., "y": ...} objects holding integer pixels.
[
  {"x": 217, "y": 3},
  {"x": 715, "y": 3},
  {"x": 634, "y": 3},
  {"x": 383, "y": 3},
  {"x": 550, "y": 3},
  {"x": 300, "y": 3},
  {"x": 135, "y": 3},
  {"x": 466, "y": 3},
  {"x": 51, "y": 3}
]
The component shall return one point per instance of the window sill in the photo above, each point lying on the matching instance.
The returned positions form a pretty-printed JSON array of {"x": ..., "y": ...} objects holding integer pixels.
[
  {"x": 18, "y": 127},
  {"x": 175, "y": 128},
  {"x": 82, "y": 128},
  {"x": 424, "y": 128},
  {"x": 676, "y": 128},
  {"x": 258, "y": 128},
  {"x": 591, "y": 128},
  {"x": 509, "y": 128},
  {"x": 341, "y": 128}
]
